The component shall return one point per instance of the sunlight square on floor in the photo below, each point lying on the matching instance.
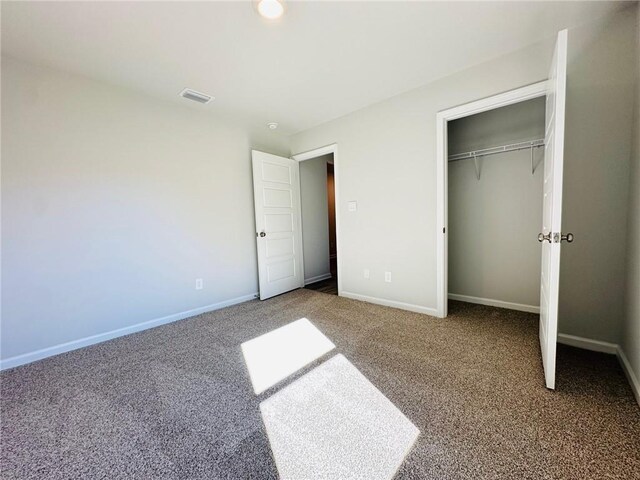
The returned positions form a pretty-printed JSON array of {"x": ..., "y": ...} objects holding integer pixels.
[
  {"x": 333, "y": 423},
  {"x": 274, "y": 356}
]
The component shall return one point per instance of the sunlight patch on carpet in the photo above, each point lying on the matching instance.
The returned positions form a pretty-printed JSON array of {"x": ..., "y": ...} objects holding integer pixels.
[
  {"x": 333, "y": 423},
  {"x": 274, "y": 356}
]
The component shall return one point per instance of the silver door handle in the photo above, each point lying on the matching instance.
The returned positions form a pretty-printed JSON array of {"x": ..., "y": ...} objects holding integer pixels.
[
  {"x": 542, "y": 237},
  {"x": 557, "y": 238},
  {"x": 567, "y": 238}
]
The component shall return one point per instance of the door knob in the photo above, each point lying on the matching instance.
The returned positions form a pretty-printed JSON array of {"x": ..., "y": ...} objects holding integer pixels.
[
  {"x": 262, "y": 234},
  {"x": 557, "y": 238},
  {"x": 542, "y": 237}
]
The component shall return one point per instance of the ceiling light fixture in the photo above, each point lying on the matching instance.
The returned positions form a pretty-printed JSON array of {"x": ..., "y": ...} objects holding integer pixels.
[
  {"x": 272, "y": 125},
  {"x": 270, "y": 9}
]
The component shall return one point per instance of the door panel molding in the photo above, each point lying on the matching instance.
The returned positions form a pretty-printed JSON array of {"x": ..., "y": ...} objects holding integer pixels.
[{"x": 276, "y": 193}]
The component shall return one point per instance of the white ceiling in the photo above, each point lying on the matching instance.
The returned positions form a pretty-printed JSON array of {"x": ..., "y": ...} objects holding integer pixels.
[{"x": 320, "y": 61}]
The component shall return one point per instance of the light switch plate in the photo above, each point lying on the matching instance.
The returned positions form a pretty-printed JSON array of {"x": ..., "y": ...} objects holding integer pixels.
[{"x": 352, "y": 206}]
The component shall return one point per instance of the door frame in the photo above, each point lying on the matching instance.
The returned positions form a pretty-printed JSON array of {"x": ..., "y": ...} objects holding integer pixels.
[
  {"x": 308, "y": 155},
  {"x": 517, "y": 95}
]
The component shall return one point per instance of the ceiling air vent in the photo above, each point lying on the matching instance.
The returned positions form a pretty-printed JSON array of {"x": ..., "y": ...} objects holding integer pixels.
[{"x": 196, "y": 96}]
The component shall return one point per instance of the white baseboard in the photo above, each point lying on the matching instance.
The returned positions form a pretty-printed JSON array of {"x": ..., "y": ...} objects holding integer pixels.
[
  {"x": 318, "y": 278},
  {"x": 605, "y": 347},
  {"x": 631, "y": 375},
  {"x": 103, "y": 337},
  {"x": 495, "y": 303},
  {"x": 587, "y": 343},
  {"x": 390, "y": 303}
]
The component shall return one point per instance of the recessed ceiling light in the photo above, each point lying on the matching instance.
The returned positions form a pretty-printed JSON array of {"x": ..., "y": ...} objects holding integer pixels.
[
  {"x": 272, "y": 125},
  {"x": 271, "y": 9},
  {"x": 196, "y": 96}
]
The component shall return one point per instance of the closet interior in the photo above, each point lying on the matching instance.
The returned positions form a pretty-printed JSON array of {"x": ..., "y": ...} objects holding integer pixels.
[{"x": 495, "y": 178}]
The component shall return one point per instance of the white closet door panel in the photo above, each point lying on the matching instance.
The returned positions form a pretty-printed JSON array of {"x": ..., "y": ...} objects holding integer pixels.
[{"x": 552, "y": 208}]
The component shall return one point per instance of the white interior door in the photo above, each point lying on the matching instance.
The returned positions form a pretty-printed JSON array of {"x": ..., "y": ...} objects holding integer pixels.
[
  {"x": 276, "y": 193},
  {"x": 552, "y": 208}
]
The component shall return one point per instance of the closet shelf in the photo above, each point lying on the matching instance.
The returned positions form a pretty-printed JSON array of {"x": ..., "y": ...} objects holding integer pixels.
[
  {"x": 512, "y": 147},
  {"x": 501, "y": 149}
]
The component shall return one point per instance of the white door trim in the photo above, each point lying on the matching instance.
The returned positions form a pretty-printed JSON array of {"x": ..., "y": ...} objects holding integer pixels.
[
  {"x": 496, "y": 101},
  {"x": 318, "y": 152}
]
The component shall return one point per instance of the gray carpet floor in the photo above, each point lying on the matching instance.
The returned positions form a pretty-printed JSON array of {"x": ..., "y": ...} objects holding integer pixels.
[{"x": 176, "y": 401}]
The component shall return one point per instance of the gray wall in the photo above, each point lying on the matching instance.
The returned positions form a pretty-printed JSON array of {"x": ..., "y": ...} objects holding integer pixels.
[
  {"x": 387, "y": 163},
  {"x": 315, "y": 216},
  {"x": 631, "y": 326},
  {"x": 493, "y": 222},
  {"x": 514, "y": 123},
  {"x": 113, "y": 203},
  {"x": 600, "y": 97}
]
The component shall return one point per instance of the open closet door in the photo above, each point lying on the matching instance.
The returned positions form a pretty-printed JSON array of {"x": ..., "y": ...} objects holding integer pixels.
[
  {"x": 552, "y": 208},
  {"x": 276, "y": 193}
]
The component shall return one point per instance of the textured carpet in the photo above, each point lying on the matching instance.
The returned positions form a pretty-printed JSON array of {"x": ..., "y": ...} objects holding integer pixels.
[
  {"x": 333, "y": 423},
  {"x": 177, "y": 401}
]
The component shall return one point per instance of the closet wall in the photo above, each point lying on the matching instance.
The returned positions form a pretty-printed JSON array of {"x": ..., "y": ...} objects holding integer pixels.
[{"x": 494, "y": 253}]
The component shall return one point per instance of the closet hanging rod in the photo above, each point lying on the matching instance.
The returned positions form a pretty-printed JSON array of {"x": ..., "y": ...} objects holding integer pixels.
[{"x": 500, "y": 149}]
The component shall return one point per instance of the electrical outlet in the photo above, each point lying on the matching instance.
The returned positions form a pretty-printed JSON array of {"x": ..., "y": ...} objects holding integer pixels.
[
  {"x": 199, "y": 284},
  {"x": 387, "y": 277},
  {"x": 366, "y": 273}
]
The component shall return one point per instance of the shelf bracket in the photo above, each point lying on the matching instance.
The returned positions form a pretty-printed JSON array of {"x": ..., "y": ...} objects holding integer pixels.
[
  {"x": 476, "y": 162},
  {"x": 534, "y": 165}
]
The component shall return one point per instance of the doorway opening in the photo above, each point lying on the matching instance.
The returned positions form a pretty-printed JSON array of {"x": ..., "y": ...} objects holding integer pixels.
[
  {"x": 495, "y": 193},
  {"x": 318, "y": 215},
  {"x": 278, "y": 215},
  {"x": 554, "y": 89},
  {"x": 444, "y": 118}
]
